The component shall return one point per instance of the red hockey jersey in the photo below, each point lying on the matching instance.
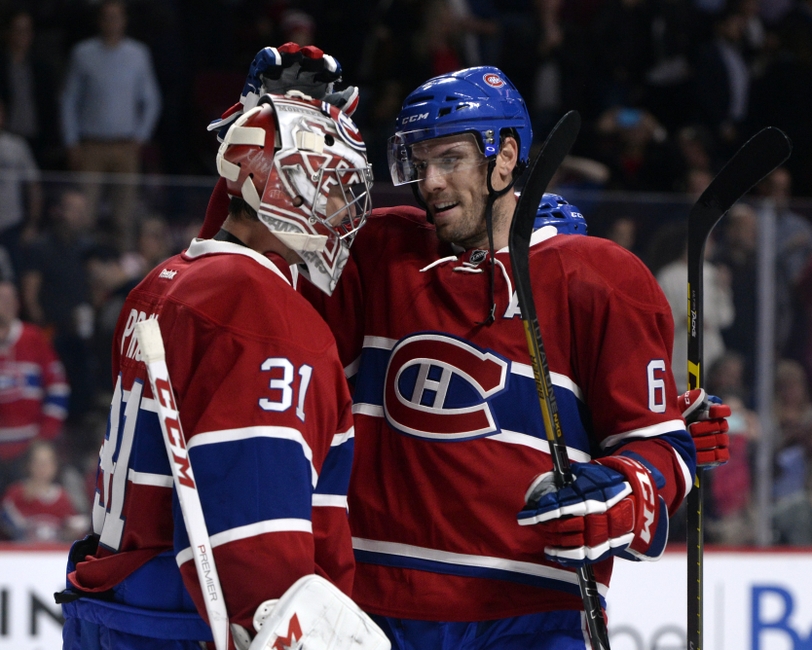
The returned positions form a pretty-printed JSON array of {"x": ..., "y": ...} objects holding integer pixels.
[
  {"x": 267, "y": 417},
  {"x": 33, "y": 390},
  {"x": 449, "y": 432}
]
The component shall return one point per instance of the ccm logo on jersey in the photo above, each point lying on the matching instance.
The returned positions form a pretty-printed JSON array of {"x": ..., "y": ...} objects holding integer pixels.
[{"x": 438, "y": 387}]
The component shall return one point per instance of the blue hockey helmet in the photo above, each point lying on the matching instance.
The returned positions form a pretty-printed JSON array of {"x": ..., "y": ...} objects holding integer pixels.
[
  {"x": 481, "y": 101},
  {"x": 555, "y": 210}
]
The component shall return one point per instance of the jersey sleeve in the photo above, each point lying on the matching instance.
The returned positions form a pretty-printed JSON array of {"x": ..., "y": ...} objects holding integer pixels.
[
  {"x": 622, "y": 336},
  {"x": 270, "y": 443}
]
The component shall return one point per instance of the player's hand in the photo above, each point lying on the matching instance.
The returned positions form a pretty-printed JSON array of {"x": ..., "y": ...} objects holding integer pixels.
[
  {"x": 705, "y": 416},
  {"x": 290, "y": 67},
  {"x": 611, "y": 508}
]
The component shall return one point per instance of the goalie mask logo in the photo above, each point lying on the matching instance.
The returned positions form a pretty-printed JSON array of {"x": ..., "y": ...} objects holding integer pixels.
[{"x": 438, "y": 387}]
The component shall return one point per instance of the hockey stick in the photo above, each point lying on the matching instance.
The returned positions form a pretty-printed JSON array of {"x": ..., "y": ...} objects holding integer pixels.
[
  {"x": 152, "y": 353},
  {"x": 552, "y": 153},
  {"x": 757, "y": 157}
]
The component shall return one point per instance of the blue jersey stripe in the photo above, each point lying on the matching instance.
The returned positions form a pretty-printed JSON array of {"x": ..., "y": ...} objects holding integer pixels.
[
  {"x": 335, "y": 472},
  {"x": 273, "y": 471},
  {"x": 516, "y": 408}
]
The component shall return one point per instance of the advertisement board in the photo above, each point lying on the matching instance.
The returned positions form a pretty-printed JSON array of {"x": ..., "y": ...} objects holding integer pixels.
[{"x": 753, "y": 601}]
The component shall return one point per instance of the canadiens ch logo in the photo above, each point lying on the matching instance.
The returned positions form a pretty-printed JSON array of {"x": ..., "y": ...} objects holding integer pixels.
[
  {"x": 493, "y": 80},
  {"x": 438, "y": 387}
]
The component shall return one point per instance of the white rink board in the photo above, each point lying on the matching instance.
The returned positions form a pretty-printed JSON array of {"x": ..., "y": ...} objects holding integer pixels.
[
  {"x": 770, "y": 593},
  {"x": 752, "y": 601},
  {"x": 29, "y": 617}
]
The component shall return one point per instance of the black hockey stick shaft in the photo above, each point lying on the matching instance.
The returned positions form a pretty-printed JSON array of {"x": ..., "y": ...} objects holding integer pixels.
[
  {"x": 552, "y": 153},
  {"x": 759, "y": 156}
]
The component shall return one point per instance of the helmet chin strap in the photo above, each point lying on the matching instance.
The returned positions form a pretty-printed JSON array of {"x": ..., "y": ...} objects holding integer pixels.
[{"x": 492, "y": 196}]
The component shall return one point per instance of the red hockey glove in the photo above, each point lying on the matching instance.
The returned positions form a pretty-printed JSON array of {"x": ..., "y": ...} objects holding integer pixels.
[
  {"x": 290, "y": 67},
  {"x": 612, "y": 508},
  {"x": 705, "y": 416}
]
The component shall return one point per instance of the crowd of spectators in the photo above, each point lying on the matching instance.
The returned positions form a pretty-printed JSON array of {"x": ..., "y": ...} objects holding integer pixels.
[{"x": 667, "y": 89}]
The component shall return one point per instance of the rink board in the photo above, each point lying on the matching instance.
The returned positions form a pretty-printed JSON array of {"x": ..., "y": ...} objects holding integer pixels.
[{"x": 753, "y": 601}]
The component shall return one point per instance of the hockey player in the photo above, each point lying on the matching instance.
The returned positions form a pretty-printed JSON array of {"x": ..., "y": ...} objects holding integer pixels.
[
  {"x": 451, "y": 442},
  {"x": 261, "y": 393}
]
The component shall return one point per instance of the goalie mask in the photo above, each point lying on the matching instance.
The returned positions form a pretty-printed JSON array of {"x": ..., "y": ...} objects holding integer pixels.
[{"x": 301, "y": 164}]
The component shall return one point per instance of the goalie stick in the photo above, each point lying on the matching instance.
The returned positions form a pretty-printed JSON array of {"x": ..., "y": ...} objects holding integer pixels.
[
  {"x": 757, "y": 157},
  {"x": 152, "y": 353},
  {"x": 552, "y": 153}
]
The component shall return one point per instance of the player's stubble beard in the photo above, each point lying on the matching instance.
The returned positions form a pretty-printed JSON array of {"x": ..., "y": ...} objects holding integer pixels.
[{"x": 470, "y": 230}]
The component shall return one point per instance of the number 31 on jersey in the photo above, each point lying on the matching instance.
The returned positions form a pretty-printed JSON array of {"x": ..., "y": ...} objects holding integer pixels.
[{"x": 283, "y": 385}]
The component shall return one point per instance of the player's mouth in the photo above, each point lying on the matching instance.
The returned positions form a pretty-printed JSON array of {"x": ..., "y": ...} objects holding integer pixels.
[{"x": 441, "y": 208}]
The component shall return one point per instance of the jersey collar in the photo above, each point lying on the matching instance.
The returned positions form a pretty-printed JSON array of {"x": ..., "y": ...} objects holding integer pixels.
[{"x": 273, "y": 262}]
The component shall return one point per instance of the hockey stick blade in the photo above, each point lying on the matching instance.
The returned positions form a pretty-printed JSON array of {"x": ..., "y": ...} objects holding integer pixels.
[
  {"x": 553, "y": 152},
  {"x": 757, "y": 158},
  {"x": 151, "y": 348}
]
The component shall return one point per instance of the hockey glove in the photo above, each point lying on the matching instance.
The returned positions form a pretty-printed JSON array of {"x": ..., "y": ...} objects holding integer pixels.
[
  {"x": 611, "y": 508},
  {"x": 289, "y": 67},
  {"x": 705, "y": 416}
]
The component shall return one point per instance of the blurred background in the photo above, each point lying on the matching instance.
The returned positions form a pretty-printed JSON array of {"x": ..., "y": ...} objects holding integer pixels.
[{"x": 106, "y": 169}]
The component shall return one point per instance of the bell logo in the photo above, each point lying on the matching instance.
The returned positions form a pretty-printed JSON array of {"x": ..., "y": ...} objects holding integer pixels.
[{"x": 293, "y": 640}]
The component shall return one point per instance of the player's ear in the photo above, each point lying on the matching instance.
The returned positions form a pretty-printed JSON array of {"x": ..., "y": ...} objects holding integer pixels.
[{"x": 507, "y": 158}]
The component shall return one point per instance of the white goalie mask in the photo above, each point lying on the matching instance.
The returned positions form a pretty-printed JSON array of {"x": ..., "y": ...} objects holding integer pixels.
[{"x": 301, "y": 164}]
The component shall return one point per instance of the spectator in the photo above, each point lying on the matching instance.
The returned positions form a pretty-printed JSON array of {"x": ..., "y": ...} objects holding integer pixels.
[
  {"x": 298, "y": 27},
  {"x": 737, "y": 251},
  {"x": 725, "y": 376},
  {"x": 731, "y": 519},
  {"x": 154, "y": 245},
  {"x": 33, "y": 390},
  {"x": 721, "y": 91},
  {"x": 793, "y": 252},
  {"x": 27, "y": 90},
  {"x": 636, "y": 148},
  {"x": 110, "y": 106},
  {"x": 56, "y": 295},
  {"x": 623, "y": 231},
  {"x": 718, "y": 307},
  {"x": 109, "y": 285},
  {"x": 38, "y": 508},
  {"x": 20, "y": 192},
  {"x": 793, "y": 481}
]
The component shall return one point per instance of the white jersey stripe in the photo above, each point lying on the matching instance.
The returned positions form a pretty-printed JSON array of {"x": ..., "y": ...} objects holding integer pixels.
[
  {"x": 476, "y": 561},
  {"x": 644, "y": 432},
  {"x": 380, "y": 342},
  {"x": 539, "y": 444},
  {"x": 329, "y": 501},
  {"x": 147, "y": 478},
  {"x": 340, "y": 438},
  {"x": 252, "y": 530},
  {"x": 371, "y": 410},
  {"x": 526, "y": 370}
]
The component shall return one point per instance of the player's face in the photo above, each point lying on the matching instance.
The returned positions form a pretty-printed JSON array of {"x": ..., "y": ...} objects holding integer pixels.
[{"x": 453, "y": 184}]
